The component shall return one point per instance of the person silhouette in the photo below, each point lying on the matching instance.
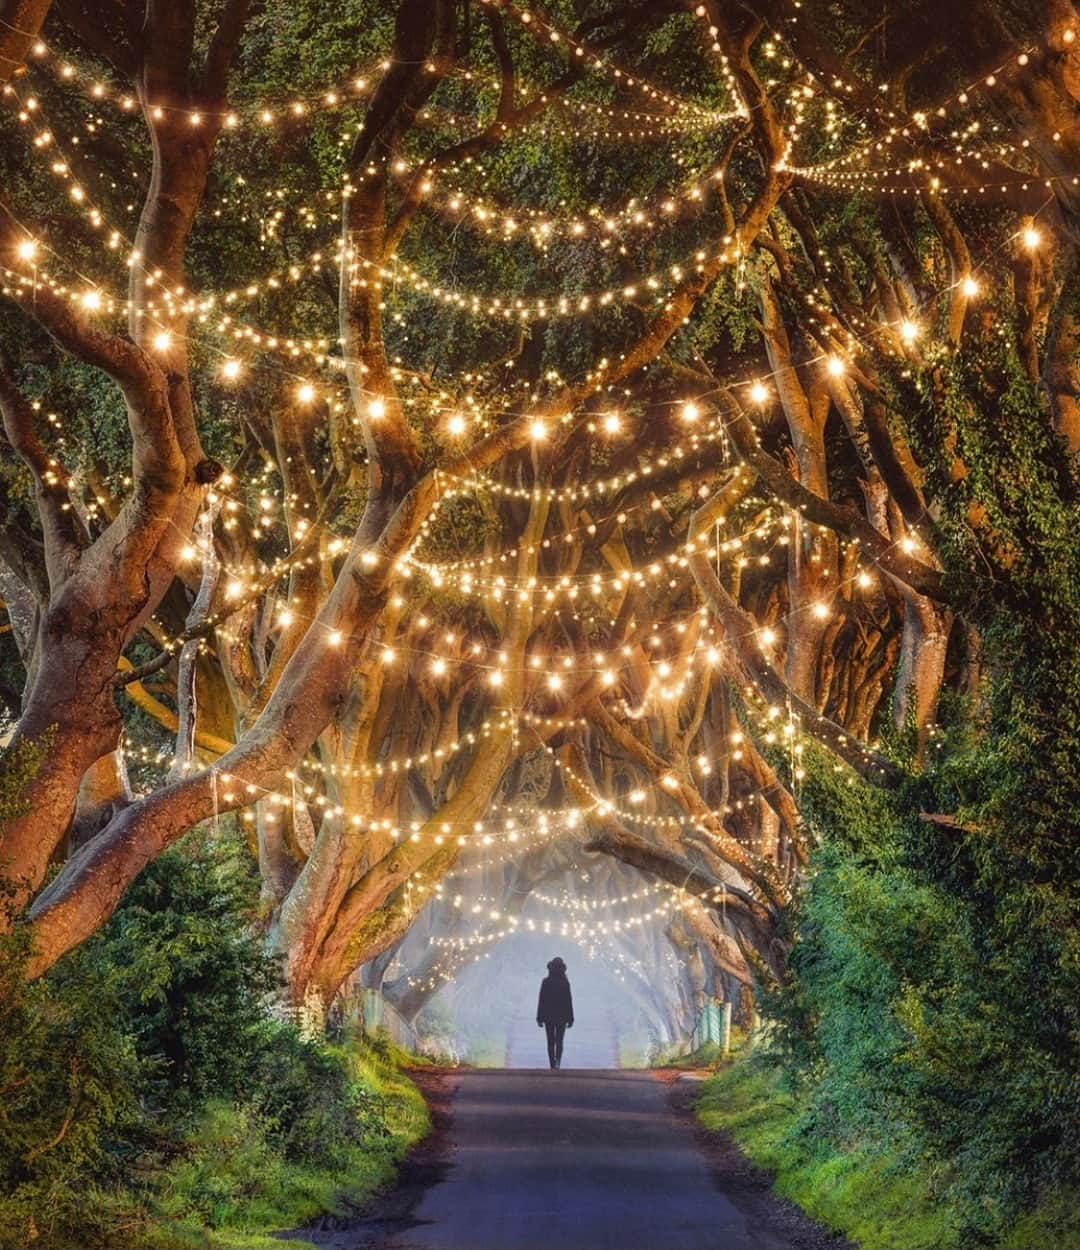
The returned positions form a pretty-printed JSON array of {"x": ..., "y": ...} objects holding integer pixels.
[{"x": 555, "y": 1009}]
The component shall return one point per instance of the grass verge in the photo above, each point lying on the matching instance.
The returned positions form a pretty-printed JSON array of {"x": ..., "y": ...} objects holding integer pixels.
[
  {"x": 878, "y": 1201},
  {"x": 229, "y": 1187}
]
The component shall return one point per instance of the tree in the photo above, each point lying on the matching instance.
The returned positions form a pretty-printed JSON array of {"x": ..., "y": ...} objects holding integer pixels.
[{"x": 460, "y": 565}]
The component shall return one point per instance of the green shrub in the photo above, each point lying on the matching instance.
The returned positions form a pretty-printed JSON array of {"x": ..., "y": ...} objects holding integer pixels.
[
  {"x": 308, "y": 1101},
  {"x": 72, "y": 1121},
  {"x": 151, "y": 1096}
]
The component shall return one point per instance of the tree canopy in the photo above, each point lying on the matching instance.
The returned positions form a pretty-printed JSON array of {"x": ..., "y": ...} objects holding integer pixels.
[{"x": 664, "y": 416}]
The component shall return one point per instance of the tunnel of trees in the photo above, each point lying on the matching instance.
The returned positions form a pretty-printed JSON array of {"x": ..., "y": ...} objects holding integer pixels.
[{"x": 662, "y": 417}]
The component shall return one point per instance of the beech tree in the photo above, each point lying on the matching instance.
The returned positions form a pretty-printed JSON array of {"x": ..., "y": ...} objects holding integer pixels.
[{"x": 518, "y": 417}]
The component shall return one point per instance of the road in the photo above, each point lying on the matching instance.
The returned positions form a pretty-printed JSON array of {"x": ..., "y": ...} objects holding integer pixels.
[{"x": 579, "y": 1160}]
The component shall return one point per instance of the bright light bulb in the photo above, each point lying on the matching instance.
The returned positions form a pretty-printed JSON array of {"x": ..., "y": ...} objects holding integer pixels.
[
  {"x": 759, "y": 392},
  {"x": 496, "y": 678},
  {"x": 305, "y": 392},
  {"x": 438, "y": 667},
  {"x": 1031, "y": 238},
  {"x": 836, "y": 367},
  {"x": 554, "y": 681},
  {"x": 909, "y": 331},
  {"x": 690, "y": 411},
  {"x": 27, "y": 249},
  {"x": 91, "y": 300},
  {"x": 456, "y": 424},
  {"x": 969, "y": 287},
  {"x": 538, "y": 431},
  {"x": 376, "y": 409},
  {"x": 612, "y": 423},
  {"x": 231, "y": 370},
  {"x": 162, "y": 340},
  {"x": 768, "y": 636},
  {"x": 334, "y": 637},
  {"x": 864, "y": 579},
  {"x": 821, "y": 610}
]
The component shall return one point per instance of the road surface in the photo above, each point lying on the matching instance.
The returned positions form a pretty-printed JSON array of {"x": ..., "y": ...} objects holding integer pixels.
[{"x": 578, "y": 1160}]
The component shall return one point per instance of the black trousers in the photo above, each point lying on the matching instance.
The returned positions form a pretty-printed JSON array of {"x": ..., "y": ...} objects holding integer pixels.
[{"x": 555, "y": 1035}]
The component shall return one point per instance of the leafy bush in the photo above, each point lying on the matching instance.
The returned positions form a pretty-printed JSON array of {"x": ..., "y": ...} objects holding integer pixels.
[
  {"x": 148, "y": 1086},
  {"x": 929, "y": 1024},
  {"x": 309, "y": 1102},
  {"x": 71, "y": 1120}
]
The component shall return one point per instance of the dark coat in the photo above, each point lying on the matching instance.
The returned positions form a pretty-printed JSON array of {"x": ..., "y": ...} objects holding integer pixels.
[{"x": 555, "y": 1005}]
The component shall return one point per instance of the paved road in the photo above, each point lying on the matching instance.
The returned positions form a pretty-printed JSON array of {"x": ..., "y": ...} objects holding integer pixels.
[{"x": 578, "y": 1160}]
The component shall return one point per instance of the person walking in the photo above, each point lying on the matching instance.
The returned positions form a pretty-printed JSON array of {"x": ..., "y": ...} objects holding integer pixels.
[{"x": 555, "y": 1010}]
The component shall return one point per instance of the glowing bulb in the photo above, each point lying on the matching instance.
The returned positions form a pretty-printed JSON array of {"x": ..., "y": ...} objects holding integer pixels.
[
  {"x": 969, "y": 287},
  {"x": 836, "y": 367},
  {"x": 538, "y": 431},
  {"x": 690, "y": 412},
  {"x": 376, "y": 409},
  {"x": 334, "y": 637},
  {"x": 496, "y": 678},
  {"x": 456, "y": 424},
  {"x": 91, "y": 300},
  {"x": 231, "y": 370},
  {"x": 162, "y": 340},
  {"x": 612, "y": 423},
  {"x": 821, "y": 610},
  {"x": 27, "y": 249},
  {"x": 305, "y": 392},
  {"x": 759, "y": 392},
  {"x": 438, "y": 667},
  {"x": 1031, "y": 238},
  {"x": 909, "y": 331},
  {"x": 388, "y": 655},
  {"x": 768, "y": 636},
  {"x": 864, "y": 579}
]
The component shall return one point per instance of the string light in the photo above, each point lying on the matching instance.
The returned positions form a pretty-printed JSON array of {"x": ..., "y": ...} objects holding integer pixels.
[{"x": 551, "y": 673}]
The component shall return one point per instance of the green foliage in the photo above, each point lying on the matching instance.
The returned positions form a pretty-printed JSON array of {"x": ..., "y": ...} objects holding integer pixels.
[
  {"x": 931, "y": 1014},
  {"x": 884, "y": 1198},
  {"x": 71, "y": 1114},
  {"x": 147, "y": 1083},
  {"x": 930, "y": 1019},
  {"x": 194, "y": 980}
]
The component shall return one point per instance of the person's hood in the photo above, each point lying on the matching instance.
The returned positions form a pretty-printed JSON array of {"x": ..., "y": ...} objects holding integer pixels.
[{"x": 556, "y": 967}]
